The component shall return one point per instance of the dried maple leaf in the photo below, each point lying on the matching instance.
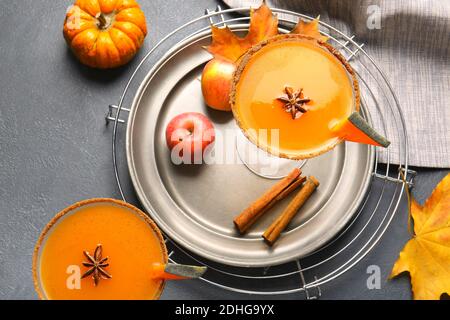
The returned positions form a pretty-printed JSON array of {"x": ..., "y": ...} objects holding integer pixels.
[
  {"x": 226, "y": 44},
  {"x": 309, "y": 29},
  {"x": 427, "y": 255}
]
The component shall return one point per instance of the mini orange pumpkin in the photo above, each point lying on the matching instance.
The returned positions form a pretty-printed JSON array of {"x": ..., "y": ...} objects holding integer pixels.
[{"x": 105, "y": 33}]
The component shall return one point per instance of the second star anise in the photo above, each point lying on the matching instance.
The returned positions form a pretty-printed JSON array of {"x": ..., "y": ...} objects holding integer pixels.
[
  {"x": 96, "y": 265},
  {"x": 294, "y": 102}
]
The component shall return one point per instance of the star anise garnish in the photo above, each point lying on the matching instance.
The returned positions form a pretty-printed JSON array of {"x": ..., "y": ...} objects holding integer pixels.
[
  {"x": 294, "y": 102},
  {"x": 96, "y": 265}
]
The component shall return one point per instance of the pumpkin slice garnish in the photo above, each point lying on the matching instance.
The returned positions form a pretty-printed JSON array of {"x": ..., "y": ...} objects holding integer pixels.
[
  {"x": 172, "y": 271},
  {"x": 356, "y": 129}
]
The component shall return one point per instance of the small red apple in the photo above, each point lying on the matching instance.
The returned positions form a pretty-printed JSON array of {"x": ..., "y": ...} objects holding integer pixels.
[
  {"x": 216, "y": 83},
  {"x": 188, "y": 136}
]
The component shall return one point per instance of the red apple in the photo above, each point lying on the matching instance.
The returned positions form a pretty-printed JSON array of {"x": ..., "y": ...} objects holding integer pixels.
[
  {"x": 216, "y": 83},
  {"x": 188, "y": 136}
]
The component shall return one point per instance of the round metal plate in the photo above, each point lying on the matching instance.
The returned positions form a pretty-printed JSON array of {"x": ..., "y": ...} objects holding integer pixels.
[{"x": 195, "y": 204}]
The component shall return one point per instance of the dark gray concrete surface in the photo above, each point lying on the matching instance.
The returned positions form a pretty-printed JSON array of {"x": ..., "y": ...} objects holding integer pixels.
[{"x": 55, "y": 148}]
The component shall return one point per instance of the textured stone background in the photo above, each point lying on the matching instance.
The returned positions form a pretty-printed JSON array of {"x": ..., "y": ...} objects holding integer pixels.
[{"x": 55, "y": 148}]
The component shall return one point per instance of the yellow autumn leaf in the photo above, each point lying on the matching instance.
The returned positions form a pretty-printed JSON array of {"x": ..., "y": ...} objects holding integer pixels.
[{"x": 427, "y": 255}]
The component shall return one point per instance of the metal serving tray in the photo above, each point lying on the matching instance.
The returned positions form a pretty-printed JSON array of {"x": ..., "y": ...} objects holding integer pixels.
[{"x": 195, "y": 204}]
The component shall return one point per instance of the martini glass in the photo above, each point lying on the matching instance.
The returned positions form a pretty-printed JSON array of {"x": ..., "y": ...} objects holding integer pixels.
[
  {"x": 104, "y": 249},
  {"x": 288, "y": 96}
]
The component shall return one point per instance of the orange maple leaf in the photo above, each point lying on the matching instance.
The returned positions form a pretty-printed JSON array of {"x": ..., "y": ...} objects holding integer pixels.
[
  {"x": 309, "y": 29},
  {"x": 263, "y": 25},
  {"x": 227, "y": 45},
  {"x": 427, "y": 255}
]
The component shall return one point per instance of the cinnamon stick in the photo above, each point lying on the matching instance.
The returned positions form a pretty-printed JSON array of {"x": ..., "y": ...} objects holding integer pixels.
[
  {"x": 279, "y": 191},
  {"x": 273, "y": 232},
  {"x": 294, "y": 185}
]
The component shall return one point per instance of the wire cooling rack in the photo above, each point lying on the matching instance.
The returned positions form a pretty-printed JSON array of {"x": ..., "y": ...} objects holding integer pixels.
[{"x": 308, "y": 274}]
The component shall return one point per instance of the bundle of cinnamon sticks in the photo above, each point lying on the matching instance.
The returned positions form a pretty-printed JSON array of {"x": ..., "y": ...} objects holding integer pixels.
[{"x": 278, "y": 192}]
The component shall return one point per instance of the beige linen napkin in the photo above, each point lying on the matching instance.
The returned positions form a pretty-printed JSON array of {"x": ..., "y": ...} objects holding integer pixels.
[{"x": 412, "y": 46}]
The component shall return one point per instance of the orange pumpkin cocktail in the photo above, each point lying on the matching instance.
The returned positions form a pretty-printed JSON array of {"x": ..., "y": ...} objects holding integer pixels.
[
  {"x": 99, "y": 249},
  {"x": 299, "y": 86}
]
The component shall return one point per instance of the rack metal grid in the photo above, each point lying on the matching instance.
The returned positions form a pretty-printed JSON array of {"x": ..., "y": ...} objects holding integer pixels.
[{"x": 370, "y": 223}]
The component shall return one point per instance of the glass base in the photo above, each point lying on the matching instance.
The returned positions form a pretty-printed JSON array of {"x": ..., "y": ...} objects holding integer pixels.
[{"x": 261, "y": 163}]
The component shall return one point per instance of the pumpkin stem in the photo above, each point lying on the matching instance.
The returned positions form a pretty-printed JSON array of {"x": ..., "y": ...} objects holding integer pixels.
[{"x": 104, "y": 22}]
